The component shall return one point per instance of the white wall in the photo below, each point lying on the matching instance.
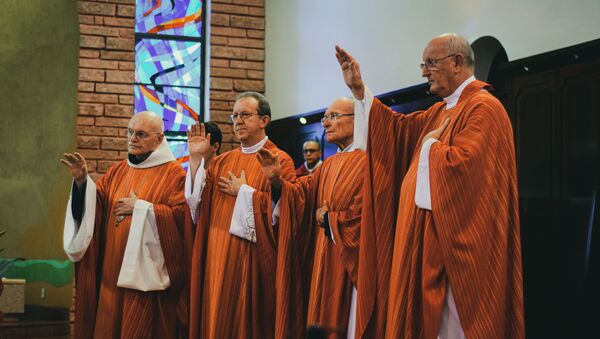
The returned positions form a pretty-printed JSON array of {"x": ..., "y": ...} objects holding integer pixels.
[{"x": 388, "y": 36}]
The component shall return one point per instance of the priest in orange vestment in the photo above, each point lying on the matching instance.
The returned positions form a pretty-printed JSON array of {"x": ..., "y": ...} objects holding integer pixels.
[
  {"x": 235, "y": 248},
  {"x": 443, "y": 183},
  {"x": 317, "y": 266},
  {"x": 126, "y": 234}
]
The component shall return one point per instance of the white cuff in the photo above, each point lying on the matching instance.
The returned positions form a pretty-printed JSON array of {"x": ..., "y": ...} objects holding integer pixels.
[
  {"x": 143, "y": 266},
  {"x": 77, "y": 238},
  {"x": 242, "y": 221},
  {"x": 193, "y": 193},
  {"x": 423, "y": 190},
  {"x": 362, "y": 109}
]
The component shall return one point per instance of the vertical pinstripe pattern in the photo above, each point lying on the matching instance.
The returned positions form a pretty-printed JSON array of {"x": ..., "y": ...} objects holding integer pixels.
[
  {"x": 319, "y": 292},
  {"x": 471, "y": 238},
  {"x": 103, "y": 310},
  {"x": 233, "y": 280}
]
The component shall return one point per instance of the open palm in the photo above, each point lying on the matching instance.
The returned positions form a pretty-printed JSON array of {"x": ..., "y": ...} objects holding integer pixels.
[{"x": 198, "y": 140}]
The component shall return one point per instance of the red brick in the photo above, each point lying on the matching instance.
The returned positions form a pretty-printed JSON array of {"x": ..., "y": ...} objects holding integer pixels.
[
  {"x": 220, "y": 116},
  {"x": 219, "y": 19},
  {"x": 85, "y": 86},
  {"x": 256, "y": 34},
  {"x": 130, "y": 2},
  {"x": 123, "y": 132},
  {"x": 226, "y": 128},
  {"x": 126, "y": 32},
  {"x": 256, "y": 74},
  {"x": 227, "y": 31},
  {"x": 247, "y": 65},
  {"x": 255, "y": 54},
  {"x": 85, "y": 121},
  {"x": 228, "y": 52},
  {"x": 95, "y": 176},
  {"x": 114, "y": 88},
  {"x": 112, "y": 122},
  {"x": 112, "y": 55},
  {"x": 126, "y": 99},
  {"x": 219, "y": 62},
  {"x": 104, "y": 165},
  {"x": 222, "y": 1},
  {"x": 220, "y": 105},
  {"x": 228, "y": 72},
  {"x": 88, "y": 142},
  {"x": 102, "y": 64},
  {"x": 119, "y": 111},
  {"x": 102, "y": 131},
  {"x": 91, "y": 109},
  {"x": 229, "y": 9},
  {"x": 125, "y": 77},
  {"x": 126, "y": 65},
  {"x": 89, "y": 41},
  {"x": 247, "y": 22},
  {"x": 126, "y": 11},
  {"x": 97, "y": 98},
  {"x": 89, "y": 53},
  {"x": 258, "y": 3},
  {"x": 85, "y": 19},
  {"x": 118, "y": 144},
  {"x": 98, "y": 30},
  {"x": 252, "y": 43},
  {"x": 119, "y": 22},
  {"x": 249, "y": 85},
  {"x": 123, "y": 44},
  {"x": 220, "y": 95},
  {"x": 98, "y": 20},
  {"x": 86, "y": 74},
  {"x": 256, "y": 11},
  {"x": 219, "y": 40},
  {"x": 89, "y": 7},
  {"x": 221, "y": 83},
  {"x": 100, "y": 154}
]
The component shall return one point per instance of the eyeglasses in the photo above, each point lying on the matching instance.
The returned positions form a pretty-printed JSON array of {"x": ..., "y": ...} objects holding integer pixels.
[
  {"x": 309, "y": 151},
  {"x": 244, "y": 116},
  {"x": 334, "y": 117},
  {"x": 140, "y": 135},
  {"x": 432, "y": 63}
]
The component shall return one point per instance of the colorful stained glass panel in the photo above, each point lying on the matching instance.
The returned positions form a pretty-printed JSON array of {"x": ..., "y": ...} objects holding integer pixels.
[
  {"x": 178, "y": 106},
  {"x": 180, "y": 151},
  {"x": 167, "y": 62},
  {"x": 172, "y": 17}
]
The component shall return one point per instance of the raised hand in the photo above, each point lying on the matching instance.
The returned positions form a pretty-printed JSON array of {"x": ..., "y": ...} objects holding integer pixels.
[
  {"x": 351, "y": 72},
  {"x": 76, "y": 163},
  {"x": 436, "y": 133},
  {"x": 232, "y": 184},
  {"x": 270, "y": 166},
  {"x": 198, "y": 141},
  {"x": 125, "y": 205}
]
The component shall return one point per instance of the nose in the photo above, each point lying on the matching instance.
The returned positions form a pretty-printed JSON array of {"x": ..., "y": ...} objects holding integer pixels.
[{"x": 425, "y": 72}]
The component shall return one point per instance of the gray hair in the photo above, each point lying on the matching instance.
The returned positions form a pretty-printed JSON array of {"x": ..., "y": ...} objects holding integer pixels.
[
  {"x": 458, "y": 44},
  {"x": 263, "y": 105}
]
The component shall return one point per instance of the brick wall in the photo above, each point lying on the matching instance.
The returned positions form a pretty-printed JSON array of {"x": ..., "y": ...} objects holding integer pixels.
[{"x": 106, "y": 71}]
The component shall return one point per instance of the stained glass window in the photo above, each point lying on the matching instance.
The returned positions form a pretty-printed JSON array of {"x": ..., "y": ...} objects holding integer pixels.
[{"x": 169, "y": 55}]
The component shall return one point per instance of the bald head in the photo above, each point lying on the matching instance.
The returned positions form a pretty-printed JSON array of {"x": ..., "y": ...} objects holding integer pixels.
[
  {"x": 448, "y": 60},
  {"x": 145, "y": 133},
  {"x": 340, "y": 130}
]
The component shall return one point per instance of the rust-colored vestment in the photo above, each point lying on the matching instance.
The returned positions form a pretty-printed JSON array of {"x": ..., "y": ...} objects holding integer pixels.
[
  {"x": 103, "y": 310},
  {"x": 469, "y": 239},
  {"x": 315, "y": 276},
  {"x": 233, "y": 279}
]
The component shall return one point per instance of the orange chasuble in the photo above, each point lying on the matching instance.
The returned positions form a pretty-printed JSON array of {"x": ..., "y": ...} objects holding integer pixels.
[
  {"x": 233, "y": 279},
  {"x": 470, "y": 239},
  {"x": 315, "y": 276},
  {"x": 104, "y": 310}
]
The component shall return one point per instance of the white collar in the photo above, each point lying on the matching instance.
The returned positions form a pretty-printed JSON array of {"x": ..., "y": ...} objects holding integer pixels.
[
  {"x": 159, "y": 156},
  {"x": 348, "y": 148},
  {"x": 310, "y": 170},
  {"x": 255, "y": 148},
  {"x": 452, "y": 99}
]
